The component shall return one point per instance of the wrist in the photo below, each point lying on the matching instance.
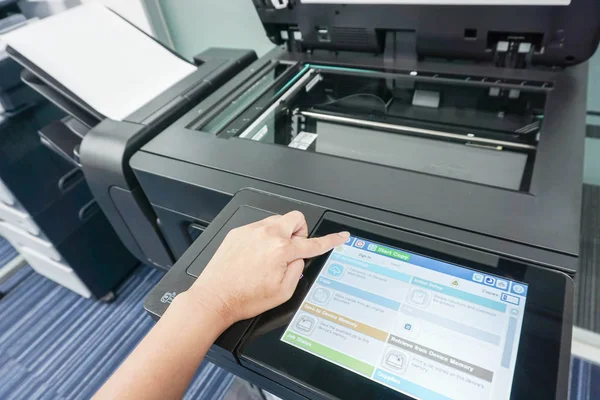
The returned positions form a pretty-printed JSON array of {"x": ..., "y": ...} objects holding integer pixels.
[{"x": 203, "y": 301}]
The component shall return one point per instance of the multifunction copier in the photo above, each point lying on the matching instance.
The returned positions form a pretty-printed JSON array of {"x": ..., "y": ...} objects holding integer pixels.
[{"x": 447, "y": 136}]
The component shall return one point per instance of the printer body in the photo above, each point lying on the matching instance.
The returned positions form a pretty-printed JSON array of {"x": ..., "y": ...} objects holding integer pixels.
[
  {"x": 452, "y": 130},
  {"x": 468, "y": 119},
  {"x": 447, "y": 133}
]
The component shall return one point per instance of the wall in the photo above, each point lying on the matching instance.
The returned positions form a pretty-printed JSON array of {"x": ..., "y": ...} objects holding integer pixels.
[
  {"x": 132, "y": 10},
  {"x": 594, "y": 85},
  {"x": 592, "y": 146},
  {"x": 195, "y": 25}
]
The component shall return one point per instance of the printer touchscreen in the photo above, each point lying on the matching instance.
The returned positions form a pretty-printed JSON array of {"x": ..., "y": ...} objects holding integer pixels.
[{"x": 417, "y": 325}]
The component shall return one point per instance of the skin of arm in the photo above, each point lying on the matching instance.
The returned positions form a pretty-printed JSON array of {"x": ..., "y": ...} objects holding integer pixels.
[{"x": 256, "y": 268}]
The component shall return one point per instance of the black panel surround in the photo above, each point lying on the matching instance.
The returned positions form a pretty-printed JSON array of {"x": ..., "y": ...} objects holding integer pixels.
[{"x": 256, "y": 344}]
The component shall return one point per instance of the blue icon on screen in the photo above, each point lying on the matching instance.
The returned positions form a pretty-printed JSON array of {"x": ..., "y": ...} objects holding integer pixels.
[
  {"x": 489, "y": 281},
  {"x": 408, "y": 327},
  {"x": 502, "y": 284},
  {"x": 518, "y": 289},
  {"x": 478, "y": 277},
  {"x": 335, "y": 270},
  {"x": 510, "y": 299}
]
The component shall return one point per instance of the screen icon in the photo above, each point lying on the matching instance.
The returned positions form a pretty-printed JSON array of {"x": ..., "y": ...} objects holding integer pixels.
[
  {"x": 396, "y": 361},
  {"x": 478, "y": 277},
  {"x": 501, "y": 284},
  {"x": 372, "y": 247},
  {"x": 360, "y": 244},
  {"x": 335, "y": 270},
  {"x": 321, "y": 295},
  {"x": 518, "y": 289},
  {"x": 510, "y": 299},
  {"x": 489, "y": 281},
  {"x": 305, "y": 324},
  {"x": 408, "y": 327},
  {"x": 419, "y": 297}
]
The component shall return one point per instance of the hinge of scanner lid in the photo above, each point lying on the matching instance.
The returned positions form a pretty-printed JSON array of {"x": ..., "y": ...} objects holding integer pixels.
[
  {"x": 400, "y": 46},
  {"x": 292, "y": 38},
  {"x": 514, "y": 52}
]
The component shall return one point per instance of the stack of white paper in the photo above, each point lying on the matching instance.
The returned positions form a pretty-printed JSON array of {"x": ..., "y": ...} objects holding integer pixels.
[{"x": 101, "y": 58}]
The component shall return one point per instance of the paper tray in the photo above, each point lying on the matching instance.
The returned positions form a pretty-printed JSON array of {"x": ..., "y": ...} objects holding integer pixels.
[{"x": 67, "y": 102}]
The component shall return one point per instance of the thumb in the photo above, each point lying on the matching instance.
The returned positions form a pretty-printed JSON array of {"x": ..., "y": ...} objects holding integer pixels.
[{"x": 291, "y": 279}]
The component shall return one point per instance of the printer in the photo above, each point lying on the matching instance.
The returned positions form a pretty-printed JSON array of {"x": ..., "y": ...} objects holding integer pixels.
[
  {"x": 464, "y": 122},
  {"x": 447, "y": 137}
]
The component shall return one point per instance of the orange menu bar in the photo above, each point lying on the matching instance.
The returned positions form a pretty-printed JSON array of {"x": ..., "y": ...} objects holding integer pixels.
[{"x": 346, "y": 322}]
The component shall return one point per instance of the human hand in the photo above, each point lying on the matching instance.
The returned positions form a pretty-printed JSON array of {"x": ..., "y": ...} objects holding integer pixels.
[{"x": 258, "y": 266}]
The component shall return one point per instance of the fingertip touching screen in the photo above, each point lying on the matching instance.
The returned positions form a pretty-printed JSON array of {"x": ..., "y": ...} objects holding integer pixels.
[{"x": 419, "y": 326}]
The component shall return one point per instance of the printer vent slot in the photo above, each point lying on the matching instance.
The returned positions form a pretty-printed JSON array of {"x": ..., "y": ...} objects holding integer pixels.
[
  {"x": 353, "y": 39},
  {"x": 351, "y": 35}
]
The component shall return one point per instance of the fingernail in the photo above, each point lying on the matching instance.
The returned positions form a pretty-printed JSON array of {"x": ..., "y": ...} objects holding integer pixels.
[{"x": 345, "y": 235}]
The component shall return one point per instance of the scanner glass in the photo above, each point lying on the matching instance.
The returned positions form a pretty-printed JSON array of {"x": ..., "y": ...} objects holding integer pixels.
[
  {"x": 450, "y": 126},
  {"x": 422, "y": 327}
]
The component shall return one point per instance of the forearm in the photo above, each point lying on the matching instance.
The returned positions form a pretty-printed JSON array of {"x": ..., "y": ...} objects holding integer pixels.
[{"x": 164, "y": 363}]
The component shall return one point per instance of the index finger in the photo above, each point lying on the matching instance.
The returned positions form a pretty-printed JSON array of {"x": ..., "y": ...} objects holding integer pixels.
[{"x": 309, "y": 248}]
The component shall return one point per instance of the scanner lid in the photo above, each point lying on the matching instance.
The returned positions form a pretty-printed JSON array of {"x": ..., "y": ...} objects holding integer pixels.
[{"x": 509, "y": 33}]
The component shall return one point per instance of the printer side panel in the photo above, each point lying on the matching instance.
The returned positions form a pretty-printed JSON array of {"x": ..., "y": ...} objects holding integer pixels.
[
  {"x": 105, "y": 167},
  {"x": 106, "y": 151}
]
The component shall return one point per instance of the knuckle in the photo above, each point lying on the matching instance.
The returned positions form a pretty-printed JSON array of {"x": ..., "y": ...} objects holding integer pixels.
[
  {"x": 272, "y": 230},
  {"x": 271, "y": 220},
  {"x": 297, "y": 215},
  {"x": 263, "y": 230},
  {"x": 282, "y": 248}
]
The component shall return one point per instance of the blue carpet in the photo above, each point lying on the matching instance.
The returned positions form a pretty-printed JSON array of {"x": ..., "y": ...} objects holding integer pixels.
[
  {"x": 7, "y": 253},
  {"x": 56, "y": 345},
  {"x": 585, "y": 380}
]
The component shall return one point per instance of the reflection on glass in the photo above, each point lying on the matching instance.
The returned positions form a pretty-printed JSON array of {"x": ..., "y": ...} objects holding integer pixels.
[
  {"x": 237, "y": 105},
  {"x": 478, "y": 133}
]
